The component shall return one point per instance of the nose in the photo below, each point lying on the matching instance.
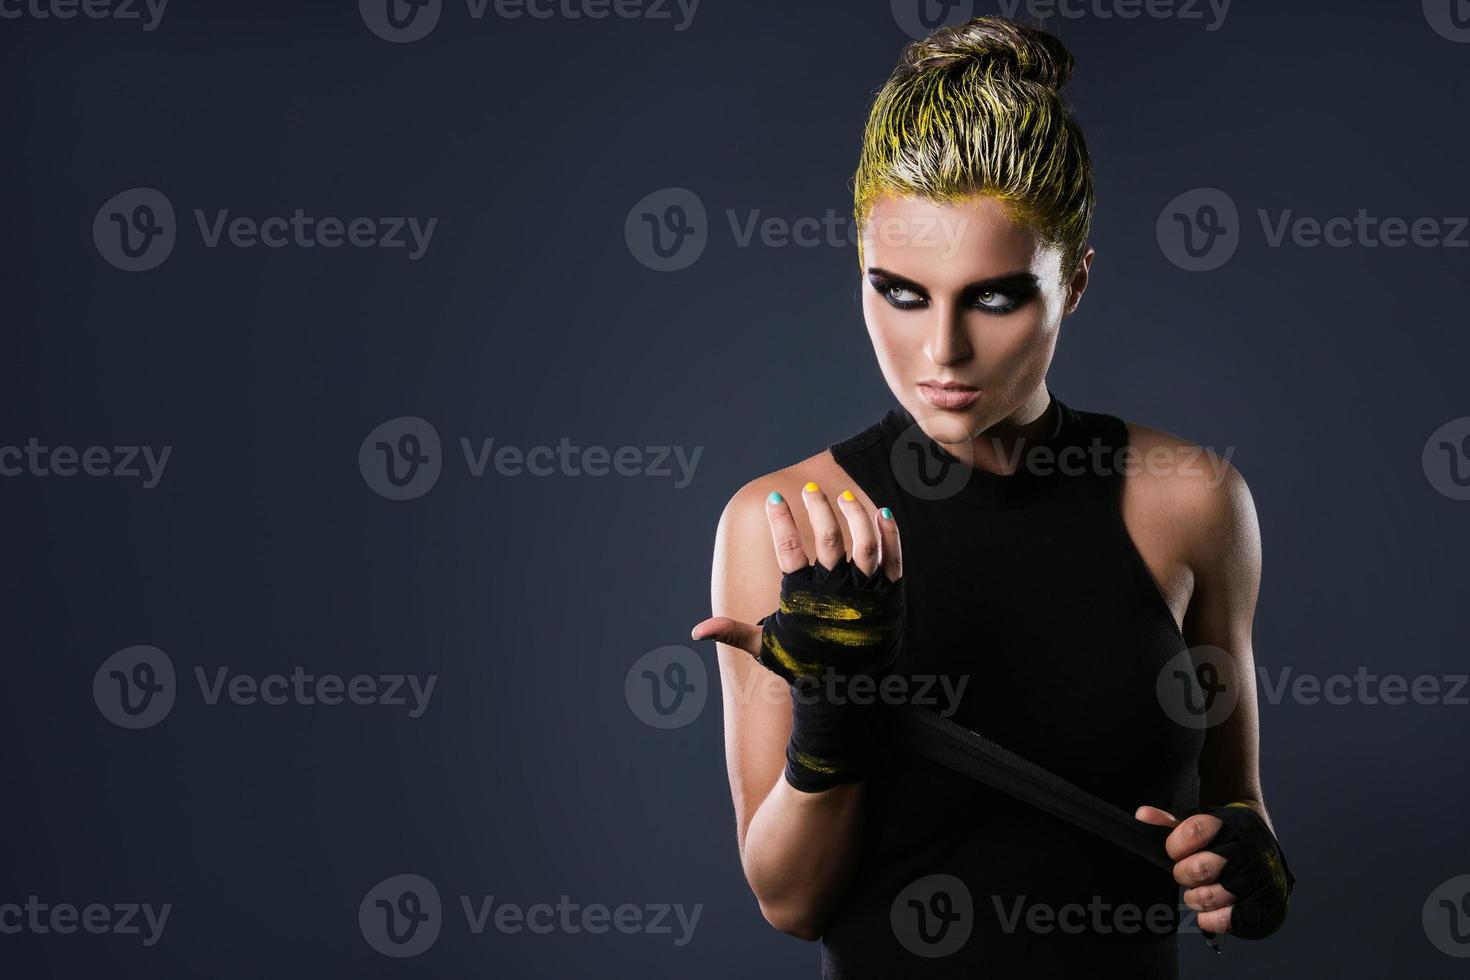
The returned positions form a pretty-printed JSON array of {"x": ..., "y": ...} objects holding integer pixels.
[{"x": 947, "y": 341}]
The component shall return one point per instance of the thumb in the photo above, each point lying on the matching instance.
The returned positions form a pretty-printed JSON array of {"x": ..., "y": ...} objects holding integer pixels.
[
  {"x": 730, "y": 631},
  {"x": 1153, "y": 815}
]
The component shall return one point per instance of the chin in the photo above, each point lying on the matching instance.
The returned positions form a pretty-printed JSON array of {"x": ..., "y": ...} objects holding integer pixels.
[{"x": 947, "y": 428}]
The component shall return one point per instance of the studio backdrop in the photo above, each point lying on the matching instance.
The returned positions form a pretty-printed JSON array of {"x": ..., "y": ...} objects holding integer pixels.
[{"x": 378, "y": 372}]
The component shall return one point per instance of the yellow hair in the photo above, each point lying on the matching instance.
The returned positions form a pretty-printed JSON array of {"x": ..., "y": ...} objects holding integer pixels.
[{"x": 977, "y": 109}]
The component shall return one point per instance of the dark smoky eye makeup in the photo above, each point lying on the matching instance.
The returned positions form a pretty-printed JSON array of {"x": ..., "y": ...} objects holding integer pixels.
[
  {"x": 993, "y": 296},
  {"x": 892, "y": 287},
  {"x": 1001, "y": 298}
]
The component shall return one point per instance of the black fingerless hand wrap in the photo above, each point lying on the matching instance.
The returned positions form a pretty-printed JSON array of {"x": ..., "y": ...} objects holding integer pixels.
[
  {"x": 1255, "y": 870},
  {"x": 833, "y": 639}
]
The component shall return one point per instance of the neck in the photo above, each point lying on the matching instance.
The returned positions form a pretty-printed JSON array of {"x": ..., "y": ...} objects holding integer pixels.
[{"x": 999, "y": 447}]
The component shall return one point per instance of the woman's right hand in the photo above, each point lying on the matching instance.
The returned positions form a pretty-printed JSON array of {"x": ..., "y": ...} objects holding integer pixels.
[
  {"x": 835, "y": 632},
  {"x": 875, "y": 543}
]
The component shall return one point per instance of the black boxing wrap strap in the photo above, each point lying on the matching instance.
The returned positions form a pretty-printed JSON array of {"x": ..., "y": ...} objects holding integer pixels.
[
  {"x": 955, "y": 747},
  {"x": 832, "y": 639},
  {"x": 1255, "y": 870}
]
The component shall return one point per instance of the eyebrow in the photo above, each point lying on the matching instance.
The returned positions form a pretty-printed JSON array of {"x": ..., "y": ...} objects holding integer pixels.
[{"x": 1021, "y": 278}]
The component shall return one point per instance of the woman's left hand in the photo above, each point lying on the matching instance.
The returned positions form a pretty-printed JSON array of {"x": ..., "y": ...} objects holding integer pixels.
[{"x": 1196, "y": 867}]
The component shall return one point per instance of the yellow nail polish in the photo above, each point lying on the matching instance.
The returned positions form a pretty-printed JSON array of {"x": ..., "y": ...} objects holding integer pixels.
[
  {"x": 810, "y": 488},
  {"x": 847, "y": 495}
]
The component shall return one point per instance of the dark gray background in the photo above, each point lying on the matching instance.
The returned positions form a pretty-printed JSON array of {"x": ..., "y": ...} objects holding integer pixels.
[{"x": 530, "y": 319}]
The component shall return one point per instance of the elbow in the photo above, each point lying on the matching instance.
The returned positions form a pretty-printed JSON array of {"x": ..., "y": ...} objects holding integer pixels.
[{"x": 793, "y": 921}]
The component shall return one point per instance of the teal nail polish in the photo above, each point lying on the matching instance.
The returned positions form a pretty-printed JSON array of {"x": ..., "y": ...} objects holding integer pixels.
[
  {"x": 887, "y": 514},
  {"x": 774, "y": 498}
]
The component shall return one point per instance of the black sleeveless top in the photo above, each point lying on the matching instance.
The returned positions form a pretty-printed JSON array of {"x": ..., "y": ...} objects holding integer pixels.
[{"x": 1028, "y": 589}]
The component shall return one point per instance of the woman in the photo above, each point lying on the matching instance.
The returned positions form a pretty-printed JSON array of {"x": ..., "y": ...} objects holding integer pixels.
[{"x": 1046, "y": 600}]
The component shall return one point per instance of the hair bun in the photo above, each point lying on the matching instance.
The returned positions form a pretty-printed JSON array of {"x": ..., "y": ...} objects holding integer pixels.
[{"x": 998, "y": 46}]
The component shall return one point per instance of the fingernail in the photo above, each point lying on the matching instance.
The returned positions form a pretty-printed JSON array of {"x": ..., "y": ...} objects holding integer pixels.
[
  {"x": 847, "y": 495},
  {"x": 774, "y": 498},
  {"x": 887, "y": 514},
  {"x": 810, "y": 488}
]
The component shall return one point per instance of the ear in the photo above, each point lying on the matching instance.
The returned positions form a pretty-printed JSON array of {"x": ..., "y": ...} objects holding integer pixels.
[{"x": 1077, "y": 285}]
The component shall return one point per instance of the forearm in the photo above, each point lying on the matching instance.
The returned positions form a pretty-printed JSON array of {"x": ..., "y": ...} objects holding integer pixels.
[{"x": 799, "y": 851}]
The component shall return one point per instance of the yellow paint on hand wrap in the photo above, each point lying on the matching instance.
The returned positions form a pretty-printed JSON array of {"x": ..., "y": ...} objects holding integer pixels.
[
  {"x": 815, "y": 764},
  {"x": 797, "y": 667}
]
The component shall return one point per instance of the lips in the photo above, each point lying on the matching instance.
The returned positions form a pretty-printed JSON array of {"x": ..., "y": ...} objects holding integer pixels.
[{"x": 949, "y": 395}]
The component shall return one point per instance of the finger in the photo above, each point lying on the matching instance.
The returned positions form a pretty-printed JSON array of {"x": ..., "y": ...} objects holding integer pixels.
[
  {"x": 888, "y": 544},
  {"x": 860, "y": 526},
  {"x": 1207, "y": 898},
  {"x": 790, "y": 554},
  {"x": 826, "y": 534},
  {"x": 1217, "y": 921},
  {"x": 1199, "y": 868},
  {"x": 1153, "y": 815},
  {"x": 730, "y": 631},
  {"x": 1193, "y": 834}
]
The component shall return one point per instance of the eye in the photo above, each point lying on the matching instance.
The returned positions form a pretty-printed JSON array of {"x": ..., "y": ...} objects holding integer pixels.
[
  {"x": 992, "y": 301},
  {"x": 902, "y": 296}
]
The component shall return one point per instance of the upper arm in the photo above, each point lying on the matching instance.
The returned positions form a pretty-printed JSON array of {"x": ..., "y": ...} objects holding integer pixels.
[
  {"x": 1201, "y": 515},
  {"x": 746, "y": 585},
  {"x": 1222, "y": 547}
]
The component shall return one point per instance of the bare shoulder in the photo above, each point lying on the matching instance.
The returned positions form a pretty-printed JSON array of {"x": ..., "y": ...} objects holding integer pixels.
[{"x": 1189, "y": 497}]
